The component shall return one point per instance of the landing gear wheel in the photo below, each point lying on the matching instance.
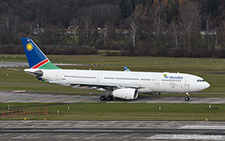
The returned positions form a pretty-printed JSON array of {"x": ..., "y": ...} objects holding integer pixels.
[
  {"x": 102, "y": 98},
  {"x": 187, "y": 98},
  {"x": 109, "y": 98}
]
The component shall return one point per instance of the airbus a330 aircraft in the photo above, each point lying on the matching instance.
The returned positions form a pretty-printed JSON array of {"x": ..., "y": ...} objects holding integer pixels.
[{"x": 117, "y": 84}]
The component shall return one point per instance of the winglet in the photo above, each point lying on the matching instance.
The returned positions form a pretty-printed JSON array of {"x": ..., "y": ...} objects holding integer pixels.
[
  {"x": 35, "y": 57},
  {"x": 126, "y": 68}
]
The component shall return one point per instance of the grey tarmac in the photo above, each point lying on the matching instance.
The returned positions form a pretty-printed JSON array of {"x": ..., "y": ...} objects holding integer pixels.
[
  {"x": 24, "y": 97},
  {"x": 111, "y": 130}
]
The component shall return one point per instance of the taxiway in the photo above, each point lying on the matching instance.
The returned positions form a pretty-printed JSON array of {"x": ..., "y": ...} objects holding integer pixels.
[{"x": 24, "y": 97}]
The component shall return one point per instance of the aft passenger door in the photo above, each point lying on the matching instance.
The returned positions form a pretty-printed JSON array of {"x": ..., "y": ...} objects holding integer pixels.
[
  {"x": 59, "y": 76},
  {"x": 187, "y": 84},
  {"x": 157, "y": 83}
]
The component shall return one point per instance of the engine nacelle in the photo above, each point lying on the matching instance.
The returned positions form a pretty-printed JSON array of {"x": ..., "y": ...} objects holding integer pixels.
[{"x": 125, "y": 93}]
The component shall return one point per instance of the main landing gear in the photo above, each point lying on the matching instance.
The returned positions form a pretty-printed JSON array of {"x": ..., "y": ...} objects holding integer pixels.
[
  {"x": 187, "y": 97},
  {"x": 108, "y": 98}
]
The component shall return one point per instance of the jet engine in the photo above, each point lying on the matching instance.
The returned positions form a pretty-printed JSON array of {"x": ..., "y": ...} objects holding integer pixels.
[{"x": 125, "y": 93}]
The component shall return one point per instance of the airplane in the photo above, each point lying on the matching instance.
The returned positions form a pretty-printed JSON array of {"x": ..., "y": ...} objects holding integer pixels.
[{"x": 116, "y": 84}]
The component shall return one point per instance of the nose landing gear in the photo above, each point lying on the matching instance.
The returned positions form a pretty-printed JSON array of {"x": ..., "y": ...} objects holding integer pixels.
[{"x": 187, "y": 97}]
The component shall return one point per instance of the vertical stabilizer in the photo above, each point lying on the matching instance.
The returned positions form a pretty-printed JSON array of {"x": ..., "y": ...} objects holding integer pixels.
[
  {"x": 126, "y": 69},
  {"x": 35, "y": 57}
]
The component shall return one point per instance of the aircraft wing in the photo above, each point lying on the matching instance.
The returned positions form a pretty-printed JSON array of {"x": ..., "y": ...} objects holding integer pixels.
[{"x": 95, "y": 84}]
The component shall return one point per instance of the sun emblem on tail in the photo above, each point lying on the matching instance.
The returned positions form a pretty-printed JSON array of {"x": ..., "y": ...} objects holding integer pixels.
[{"x": 29, "y": 46}]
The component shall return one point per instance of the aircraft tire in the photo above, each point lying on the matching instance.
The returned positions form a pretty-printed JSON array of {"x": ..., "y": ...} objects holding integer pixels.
[
  {"x": 187, "y": 98},
  {"x": 109, "y": 98},
  {"x": 102, "y": 98}
]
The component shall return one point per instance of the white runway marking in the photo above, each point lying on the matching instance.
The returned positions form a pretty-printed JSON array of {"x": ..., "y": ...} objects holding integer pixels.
[
  {"x": 185, "y": 137},
  {"x": 201, "y": 127}
]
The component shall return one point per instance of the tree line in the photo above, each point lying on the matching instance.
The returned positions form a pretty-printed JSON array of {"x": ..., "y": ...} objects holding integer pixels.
[{"x": 193, "y": 28}]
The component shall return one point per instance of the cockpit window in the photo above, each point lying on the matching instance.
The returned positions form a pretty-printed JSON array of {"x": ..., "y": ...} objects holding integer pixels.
[{"x": 200, "y": 80}]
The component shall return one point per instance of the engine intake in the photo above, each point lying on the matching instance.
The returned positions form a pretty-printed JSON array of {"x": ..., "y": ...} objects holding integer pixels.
[{"x": 125, "y": 93}]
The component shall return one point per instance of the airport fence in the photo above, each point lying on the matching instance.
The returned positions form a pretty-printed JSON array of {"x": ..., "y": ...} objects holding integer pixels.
[{"x": 29, "y": 112}]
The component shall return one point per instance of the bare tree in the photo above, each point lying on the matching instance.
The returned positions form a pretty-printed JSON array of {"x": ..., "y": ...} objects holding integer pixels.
[
  {"x": 87, "y": 24},
  {"x": 138, "y": 21},
  {"x": 174, "y": 31},
  {"x": 190, "y": 21},
  {"x": 10, "y": 27},
  {"x": 158, "y": 25},
  {"x": 133, "y": 32},
  {"x": 105, "y": 33},
  {"x": 5, "y": 20},
  {"x": 85, "y": 28},
  {"x": 209, "y": 31},
  {"x": 140, "y": 14},
  {"x": 74, "y": 23},
  {"x": 16, "y": 24},
  {"x": 221, "y": 34},
  {"x": 100, "y": 14}
]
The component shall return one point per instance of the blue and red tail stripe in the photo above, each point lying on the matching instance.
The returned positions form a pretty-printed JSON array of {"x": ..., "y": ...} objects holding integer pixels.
[{"x": 40, "y": 64}]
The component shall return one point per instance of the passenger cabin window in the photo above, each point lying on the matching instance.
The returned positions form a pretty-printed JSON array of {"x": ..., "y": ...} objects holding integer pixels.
[
  {"x": 87, "y": 77},
  {"x": 127, "y": 78},
  {"x": 200, "y": 80},
  {"x": 109, "y": 78},
  {"x": 145, "y": 79}
]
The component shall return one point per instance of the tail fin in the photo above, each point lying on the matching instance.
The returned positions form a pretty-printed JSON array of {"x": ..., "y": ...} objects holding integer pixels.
[
  {"x": 126, "y": 68},
  {"x": 35, "y": 57}
]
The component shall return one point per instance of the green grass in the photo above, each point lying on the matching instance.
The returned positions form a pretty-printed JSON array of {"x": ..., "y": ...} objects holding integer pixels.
[
  {"x": 12, "y": 58},
  {"x": 121, "y": 111}
]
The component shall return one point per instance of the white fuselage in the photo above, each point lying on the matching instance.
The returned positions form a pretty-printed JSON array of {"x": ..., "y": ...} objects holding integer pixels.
[{"x": 148, "y": 81}]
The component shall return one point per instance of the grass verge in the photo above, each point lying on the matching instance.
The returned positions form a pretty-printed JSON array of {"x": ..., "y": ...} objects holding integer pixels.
[{"x": 118, "y": 111}]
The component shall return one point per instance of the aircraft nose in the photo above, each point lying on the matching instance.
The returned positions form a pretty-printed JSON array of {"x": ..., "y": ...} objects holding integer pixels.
[
  {"x": 200, "y": 86},
  {"x": 207, "y": 85}
]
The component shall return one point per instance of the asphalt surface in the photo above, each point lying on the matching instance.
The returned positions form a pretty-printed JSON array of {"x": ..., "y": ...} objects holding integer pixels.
[
  {"x": 24, "y": 97},
  {"x": 111, "y": 130}
]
